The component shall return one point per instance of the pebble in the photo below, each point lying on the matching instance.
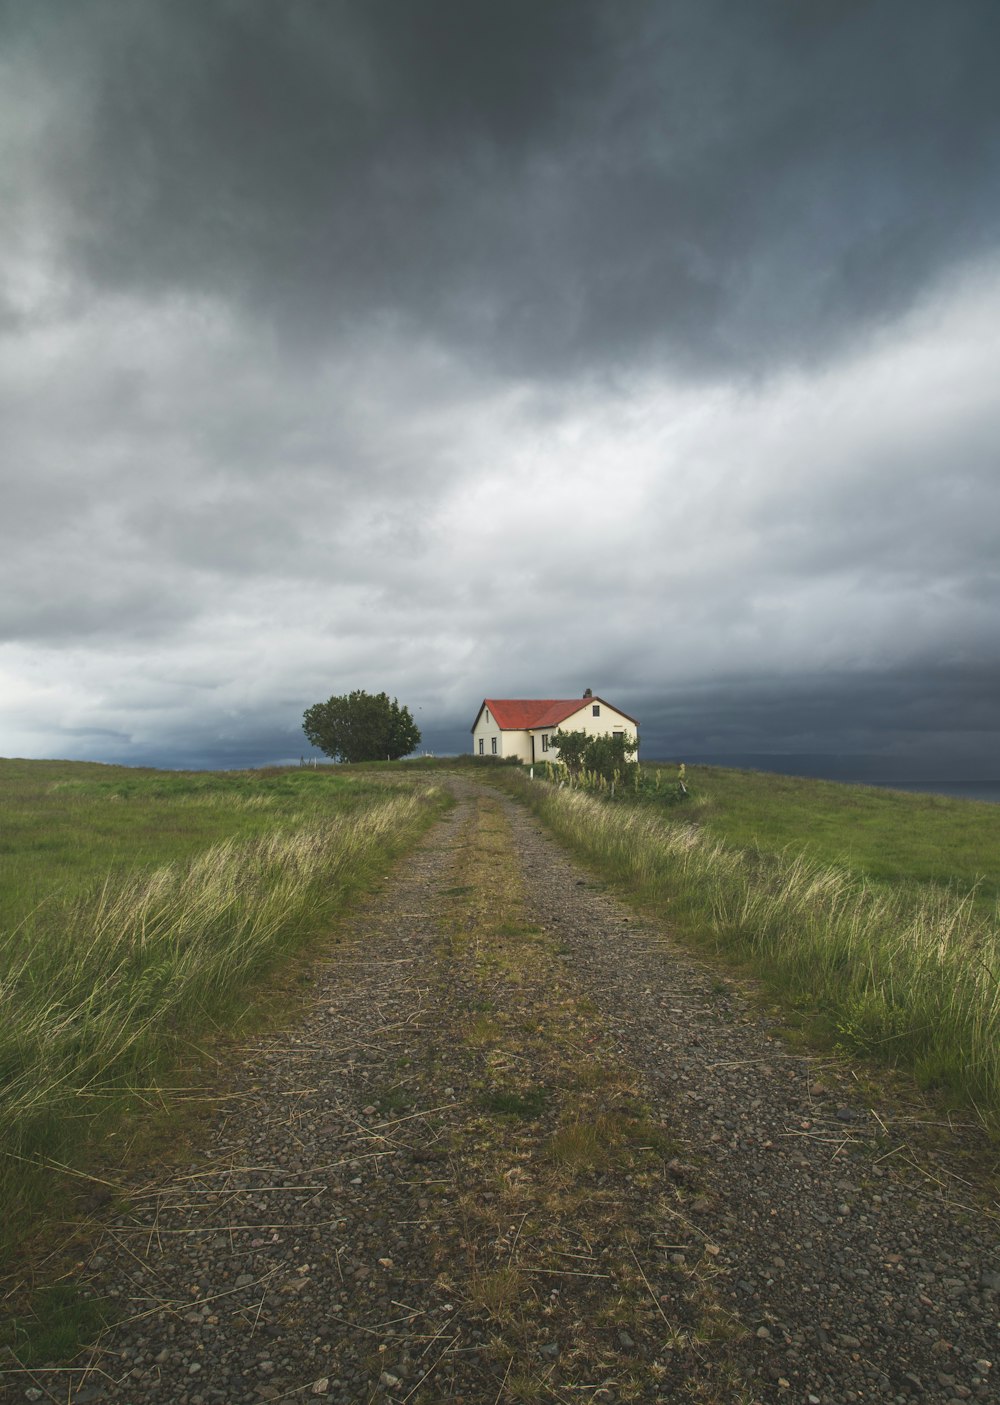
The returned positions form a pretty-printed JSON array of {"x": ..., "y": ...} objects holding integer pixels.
[{"x": 342, "y": 1228}]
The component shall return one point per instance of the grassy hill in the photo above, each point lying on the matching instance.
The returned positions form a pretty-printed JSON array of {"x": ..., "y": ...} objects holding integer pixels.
[
  {"x": 65, "y": 825},
  {"x": 139, "y": 909},
  {"x": 894, "y": 836}
]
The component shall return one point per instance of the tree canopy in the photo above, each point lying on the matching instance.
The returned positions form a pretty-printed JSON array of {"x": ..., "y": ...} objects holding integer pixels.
[{"x": 361, "y": 726}]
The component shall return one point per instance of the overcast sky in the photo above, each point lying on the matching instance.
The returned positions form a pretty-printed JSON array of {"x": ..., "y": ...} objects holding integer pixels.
[{"x": 461, "y": 348}]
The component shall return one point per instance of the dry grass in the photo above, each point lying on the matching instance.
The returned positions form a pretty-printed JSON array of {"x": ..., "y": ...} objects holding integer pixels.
[
  {"x": 908, "y": 974},
  {"x": 98, "y": 995}
]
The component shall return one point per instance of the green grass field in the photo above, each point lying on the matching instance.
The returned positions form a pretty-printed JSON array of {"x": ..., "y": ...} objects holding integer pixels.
[
  {"x": 66, "y": 824},
  {"x": 889, "y": 835},
  {"x": 139, "y": 908}
]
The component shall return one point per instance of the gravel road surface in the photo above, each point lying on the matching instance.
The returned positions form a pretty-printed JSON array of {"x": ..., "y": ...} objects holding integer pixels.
[{"x": 521, "y": 1147}]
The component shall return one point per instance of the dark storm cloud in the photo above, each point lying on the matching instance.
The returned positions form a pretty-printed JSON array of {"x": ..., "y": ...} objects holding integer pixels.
[
  {"x": 462, "y": 347},
  {"x": 936, "y": 717},
  {"x": 68, "y": 611},
  {"x": 159, "y": 464},
  {"x": 549, "y": 187}
]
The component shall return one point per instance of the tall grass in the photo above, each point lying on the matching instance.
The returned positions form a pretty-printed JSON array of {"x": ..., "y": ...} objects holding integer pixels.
[
  {"x": 907, "y": 973},
  {"x": 64, "y": 824},
  {"x": 881, "y": 834},
  {"x": 97, "y": 993}
]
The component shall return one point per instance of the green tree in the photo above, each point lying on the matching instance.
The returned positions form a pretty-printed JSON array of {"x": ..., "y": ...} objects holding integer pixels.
[
  {"x": 610, "y": 755},
  {"x": 605, "y": 754},
  {"x": 572, "y": 746},
  {"x": 361, "y": 726}
]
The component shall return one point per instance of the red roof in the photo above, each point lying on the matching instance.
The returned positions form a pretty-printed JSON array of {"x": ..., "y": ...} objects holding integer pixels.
[{"x": 522, "y": 714}]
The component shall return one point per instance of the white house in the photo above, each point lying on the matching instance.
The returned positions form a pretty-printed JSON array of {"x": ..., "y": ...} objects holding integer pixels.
[{"x": 526, "y": 727}]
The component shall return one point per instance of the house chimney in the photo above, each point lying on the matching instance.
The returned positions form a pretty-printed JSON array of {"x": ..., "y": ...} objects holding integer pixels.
[{"x": 588, "y": 692}]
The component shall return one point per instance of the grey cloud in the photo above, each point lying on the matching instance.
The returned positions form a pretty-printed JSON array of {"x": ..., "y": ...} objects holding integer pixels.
[
  {"x": 67, "y": 601},
  {"x": 464, "y": 347},
  {"x": 198, "y": 747},
  {"x": 729, "y": 186},
  {"x": 153, "y": 462},
  {"x": 937, "y": 717},
  {"x": 233, "y": 536}
]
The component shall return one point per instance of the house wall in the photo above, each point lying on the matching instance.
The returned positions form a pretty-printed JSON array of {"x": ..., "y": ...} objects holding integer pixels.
[
  {"x": 487, "y": 730},
  {"x": 610, "y": 720},
  {"x": 508, "y": 743},
  {"x": 518, "y": 744}
]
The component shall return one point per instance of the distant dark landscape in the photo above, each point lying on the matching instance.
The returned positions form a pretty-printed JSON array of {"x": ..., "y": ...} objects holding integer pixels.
[
  {"x": 893, "y": 773},
  {"x": 944, "y": 770}
]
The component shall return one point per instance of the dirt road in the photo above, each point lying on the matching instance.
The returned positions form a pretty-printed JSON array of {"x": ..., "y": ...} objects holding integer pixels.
[{"x": 521, "y": 1149}]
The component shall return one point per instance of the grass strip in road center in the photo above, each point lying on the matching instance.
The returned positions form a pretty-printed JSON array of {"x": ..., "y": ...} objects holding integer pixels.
[{"x": 562, "y": 1176}]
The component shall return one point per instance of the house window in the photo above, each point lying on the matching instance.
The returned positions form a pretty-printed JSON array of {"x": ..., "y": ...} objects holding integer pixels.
[
  {"x": 494, "y": 741},
  {"x": 480, "y": 746},
  {"x": 617, "y": 734},
  {"x": 596, "y": 709},
  {"x": 545, "y": 741},
  {"x": 487, "y": 714}
]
